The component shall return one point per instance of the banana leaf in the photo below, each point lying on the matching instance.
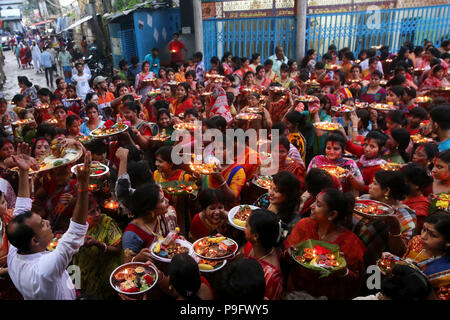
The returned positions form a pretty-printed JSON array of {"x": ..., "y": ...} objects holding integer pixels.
[
  {"x": 311, "y": 243},
  {"x": 178, "y": 191}
]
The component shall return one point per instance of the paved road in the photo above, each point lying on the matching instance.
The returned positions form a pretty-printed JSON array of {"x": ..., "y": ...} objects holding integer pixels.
[{"x": 12, "y": 71}]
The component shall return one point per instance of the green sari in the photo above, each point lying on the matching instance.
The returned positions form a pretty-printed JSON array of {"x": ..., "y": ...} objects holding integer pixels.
[{"x": 94, "y": 265}]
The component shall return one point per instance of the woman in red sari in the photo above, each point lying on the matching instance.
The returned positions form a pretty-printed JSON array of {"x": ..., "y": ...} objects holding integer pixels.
[
  {"x": 183, "y": 101},
  {"x": 263, "y": 232},
  {"x": 435, "y": 80},
  {"x": 279, "y": 102},
  {"x": 213, "y": 218},
  {"x": 419, "y": 180},
  {"x": 328, "y": 222},
  {"x": 287, "y": 164}
]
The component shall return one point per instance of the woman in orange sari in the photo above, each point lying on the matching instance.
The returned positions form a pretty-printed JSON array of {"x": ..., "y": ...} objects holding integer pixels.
[
  {"x": 328, "y": 222},
  {"x": 183, "y": 101}
]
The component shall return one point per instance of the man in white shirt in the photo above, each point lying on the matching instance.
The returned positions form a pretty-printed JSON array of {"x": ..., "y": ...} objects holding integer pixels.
[
  {"x": 278, "y": 59},
  {"x": 82, "y": 81},
  {"x": 365, "y": 64},
  {"x": 39, "y": 274},
  {"x": 86, "y": 69}
]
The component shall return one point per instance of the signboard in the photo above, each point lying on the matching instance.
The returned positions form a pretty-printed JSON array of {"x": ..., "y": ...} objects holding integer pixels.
[
  {"x": 116, "y": 46},
  {"x": 235, "y": 9}
]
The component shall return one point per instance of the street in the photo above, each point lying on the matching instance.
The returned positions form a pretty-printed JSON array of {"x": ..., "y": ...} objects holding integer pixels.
[{"x": 12, "y": 71}]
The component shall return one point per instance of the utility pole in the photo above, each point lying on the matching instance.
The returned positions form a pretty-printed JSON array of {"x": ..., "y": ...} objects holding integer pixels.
[
  {"x": 198, "y": 25},
  {"x": 97, "y": 29},
  {"x": 301, "y": 8}
]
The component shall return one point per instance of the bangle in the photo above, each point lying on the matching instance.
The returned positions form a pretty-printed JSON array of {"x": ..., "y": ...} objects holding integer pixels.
[
  {"x": 346, "y": 273},
  {"x": 106, "y": 247},
  {"x": 224, "y": 183},
  {"x": 395, "y": 235},
  {"x": 132, "y": 260},
  {"x": 355, "y": 129}
]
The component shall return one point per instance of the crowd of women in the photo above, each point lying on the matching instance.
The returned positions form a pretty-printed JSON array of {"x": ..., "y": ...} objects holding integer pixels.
[{"x": 303, "y": 201}]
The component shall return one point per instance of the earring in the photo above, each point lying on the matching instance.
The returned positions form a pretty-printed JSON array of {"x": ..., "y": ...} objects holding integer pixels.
[
  {"x": 330, "y": 219},
  {"x": 386, "y": 196}
]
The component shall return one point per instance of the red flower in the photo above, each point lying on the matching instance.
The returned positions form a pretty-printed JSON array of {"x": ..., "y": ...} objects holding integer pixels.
[
  {"x": 134, "y": 289},
  {"x": 108, "y": 124},
  {"x": 98, "y": 171},
  {"x": 321, "y": 250},
  {"x": 149, "y": 279}
]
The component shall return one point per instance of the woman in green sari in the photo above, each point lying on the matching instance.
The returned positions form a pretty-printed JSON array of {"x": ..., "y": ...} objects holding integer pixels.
[{"x": 100, "y": 254}]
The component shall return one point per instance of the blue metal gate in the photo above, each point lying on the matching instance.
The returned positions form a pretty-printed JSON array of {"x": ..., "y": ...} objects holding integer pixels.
[{"x": 356, "y": 30}]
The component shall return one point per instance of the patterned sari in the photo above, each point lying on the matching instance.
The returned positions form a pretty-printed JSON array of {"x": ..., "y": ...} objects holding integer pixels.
[
  {"x": 95, "y": 275},
  {"x": 436, "y": 269},
  {"x": 234, "y": 175}
]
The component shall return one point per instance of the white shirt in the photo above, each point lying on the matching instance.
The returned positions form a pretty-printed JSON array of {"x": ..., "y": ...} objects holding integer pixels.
[
  {"x": 43, "y": 275},
  {"x": 82, "y": 84},
  {"x": 365, "y": 65}
]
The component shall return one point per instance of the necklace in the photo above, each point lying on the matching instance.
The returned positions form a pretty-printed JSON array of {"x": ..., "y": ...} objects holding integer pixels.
[{"x": 264, "y": 256}]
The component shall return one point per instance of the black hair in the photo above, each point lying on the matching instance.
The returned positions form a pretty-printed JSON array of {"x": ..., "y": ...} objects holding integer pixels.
[
  {"x": 289, "y": 185},
  {"x": 91, "y": 105},
  {"x": 35, "y": 144},
  {"x": 377, "y": 73},
  {"x": 280, "y": 126},
  {"x": 45, "y": 129},
  {"x": 186, "y": 87},
  {"x": 165, "y": 152},
  {"x": 133, "y": 106},
  {"x": 247, "y": 74},
  {"x": 98, "y": 146},
  {"x": 162, "y": 104},
  {"x": 145, "y": 198},
  {"x": 243, "y": 280},
  {"x": 341, "y": 75},
  {"x": 226, "y": 55},
  {"x": 343, "y": 203},
  {"x": 336, "y": 137},
  {"x": 284, "y": 67},
  {"x": 25, "y": 81},
  {"x": 17, "y": 98},
  {"x": 364, "y": 116},
  {"x": 441, "y": 222},
  {"x": 397, "y": 116},
  {"x": 44, "y": 92},
  {"x": 3, "y": 141},
  {"x": 215, "y": 60},
  {"x": 122, "y": 63},
  {"x": 418, "y": 112},
  {"x": 444, "y": 156},
  {"x": 363, "y": 51},
  {"x": 190, "y": 73},
  {"x": 410, "y": 92},
  {"x": 71, "y": 119},
  {"x": 373, "y": 60},
  {"x": 357, "y": 66},
  {"x": 230, "y": 98},
  {"x": 306, "y": 59},
  {"x": 161, "y": 112},
  {"x": 217, "y": 122},
  {"x": 394, "y": 180},
  {"x": 22, "y": 234},
  {"x": 372, "y": 52},
  {"x": 418, "y": 50},
  {"x": 405, "y": 283},
  {"x": 403, "y": 138},
  {"x": 397, "y": 81},
  {"x": 431, "y": 150},
  {"x": 297, "y": 119},
  {"x": 417, "y": 175},
  {"x": 441, "y": 115},
  {"x": 327, "y": 56},
  {"x": 198, "y": 55},
  {"x": 317, "y": 180},
  {"x": 319, "y": 65},
  {"x": 285, "y": 143},
  {"x": 266, "y": 225},
  {"x": 185, "y": 276},
  {"x": 379, "y": 137},
  {"x": 349, "y": 55},
  {"x": 268, "y": 62},
  {"x": 210, "y": 196}
]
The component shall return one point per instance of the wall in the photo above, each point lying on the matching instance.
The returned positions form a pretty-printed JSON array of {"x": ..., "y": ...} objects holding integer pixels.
[{"x": 154, "y": 28}]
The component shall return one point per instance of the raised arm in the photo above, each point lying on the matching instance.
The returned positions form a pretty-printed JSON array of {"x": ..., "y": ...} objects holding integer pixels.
[{"x": 81, "y": 207}]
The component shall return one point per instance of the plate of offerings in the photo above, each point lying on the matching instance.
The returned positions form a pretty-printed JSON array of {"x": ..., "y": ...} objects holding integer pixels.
[
  {"x": 239, "y": 215},
  {"x": 154, "y": 92},
  {"x": 178, "y": 188},
  {"x": 334, "y": 67},
  {"x": 246, "y": 116},
  {"x": 343, "y": 108},
  {"x": 162, "y": 136},
  {"x": 215, "y": 247},
  {"x": 98, "y": 169},
  {"x": 306, "y": 98},
  {"x": 146, "y": 81},
  {"x": 191, "y": 126},
  {"x": 327, "y": 126},
  {"x": 164, "y": 250},
  {"x": 383, "y": 82},
  {"x": 254, "y": 110},
  {"x": 419, "y": 71},
  {"x": 106, "y": 130},
  {"x": 73, "y": 99},
  {"x": 383, "y": 107},
  {"x": 23, "y": 122},
  {"x": 372, "y": 208},
  {"x": 424, "y": 99},
  {"x": 206, "y": 265},
  {"x": 276, "y": 89},
  {"x": 208, "y": 93},
  {"x": 361, "y": 105},
  {"x": 134, "y": 278},
  {"x": 84, "y": 139},
  {"x": 319, "y": 256},
  {"x": 387, "y": 263},
  {"x": 42, "y": 107},
  {"x": 336, "y": 171},
  {"x": 52, "y": 245},
  {"x": 264, "y": 182},
  {"x": 391, "y": 166},
  {"x": 60, "y": 156},
  {"x": 418, "y": 138},
  {"x": 354, "y": 81},
  {"x": 203, "y": 168},
  {"x": 312, "y": 83}
]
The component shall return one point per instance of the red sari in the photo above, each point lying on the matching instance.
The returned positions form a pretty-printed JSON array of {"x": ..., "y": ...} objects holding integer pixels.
[
  {"x": 272, "y": 275},
  {"x": 420, "y": 205},
  {"x": 178, "y": 108},
  {"x": 333, "y": 287}
]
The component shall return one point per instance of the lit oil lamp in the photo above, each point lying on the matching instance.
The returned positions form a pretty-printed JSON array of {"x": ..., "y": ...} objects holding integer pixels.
[
  {"x": 112, "y": 205},
  {"x": 93, "y": 187}
]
